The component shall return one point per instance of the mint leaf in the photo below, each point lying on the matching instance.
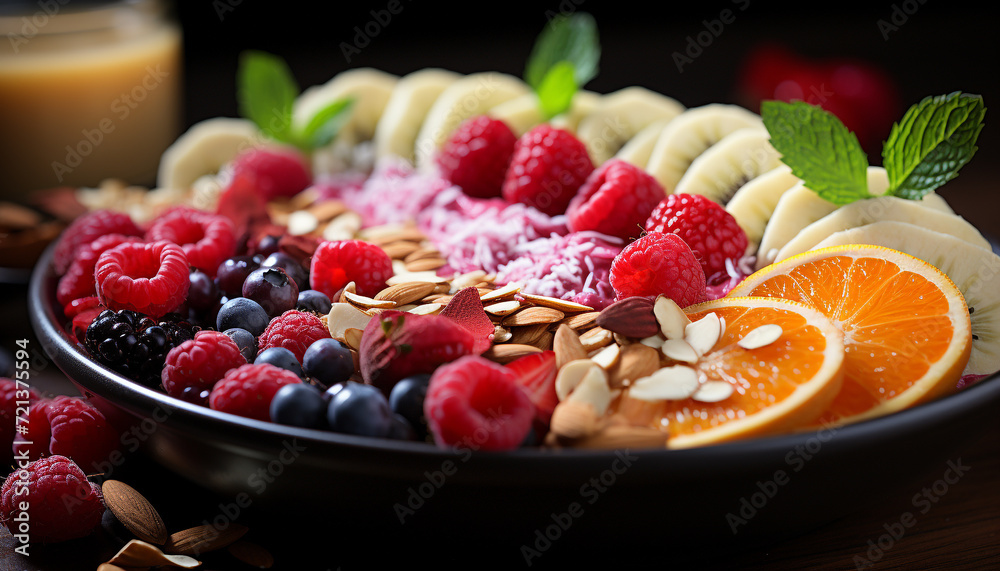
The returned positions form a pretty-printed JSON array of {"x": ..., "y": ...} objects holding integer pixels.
[
  {"x": 555, "y": 93},
  {"x": 571, "y": 40},
  {"x": 266, "y": 92},
  {"x": 819, "y": 149},
  {"x": 933, "y": 140},
  {"x": 324, "y": 126}
]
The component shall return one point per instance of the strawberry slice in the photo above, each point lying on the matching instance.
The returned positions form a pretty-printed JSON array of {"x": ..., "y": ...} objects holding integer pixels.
[
  {"x": 400, "y": 344},
  {"x": 466, "y": 309},
  {"x": 536, "y": 374}
]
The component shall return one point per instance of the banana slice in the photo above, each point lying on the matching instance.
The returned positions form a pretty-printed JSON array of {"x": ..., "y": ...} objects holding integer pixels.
[
  {"x": 882, "y": 208},
  {"x": 974, "y": 270},
  {"x": 371, "y": 90},
  {"x": 404, "y": 113},
  {"x": 619, "y": 116},
  {"x": 738, "y": 158},
  {"x": 522, "y": 113},
  {"x": 203, "y": 149},
  {"x": 639, "y": 148},
  {"x": 691, "y": 134},
  {"x": 584, "y": 103},
  {"x": 799, "y": 207},
  {"x": 754, "y": 203},
  {"x": 471, "y": 95}
]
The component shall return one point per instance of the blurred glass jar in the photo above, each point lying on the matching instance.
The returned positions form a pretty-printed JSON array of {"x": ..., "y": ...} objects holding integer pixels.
[{"x": 88, "y": 91}]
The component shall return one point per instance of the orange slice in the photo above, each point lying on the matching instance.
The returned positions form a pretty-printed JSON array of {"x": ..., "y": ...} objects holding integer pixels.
[
  {"x": 784, "y": 384},
  {"x": 907, "y": 331}
]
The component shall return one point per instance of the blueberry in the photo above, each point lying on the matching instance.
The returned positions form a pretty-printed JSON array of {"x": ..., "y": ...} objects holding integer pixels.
[
  {"x": 360, "y": 409},
  {"x": 292, "y": 267},
  {"x": 329, "y": 361},
  {"x": 273, "y": 289},
  {"x": 267, "y": 245},
  {"x": 243, "y": 313},
  {"x": 401, "y": 429},
  {"x": 407, "y": 400},
  {"x": 233, "y": 272},
  {"x": 245, "y": 341},
  {"x": 315, "y": 301},
  {"x": 280, "y": 357},
  {"x": 299, "y": 405},
  {"x": 203, "y": 293}
]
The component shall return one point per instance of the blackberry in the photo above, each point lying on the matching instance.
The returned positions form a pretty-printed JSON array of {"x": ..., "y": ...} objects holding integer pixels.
[{"x": 136, "y": 345}]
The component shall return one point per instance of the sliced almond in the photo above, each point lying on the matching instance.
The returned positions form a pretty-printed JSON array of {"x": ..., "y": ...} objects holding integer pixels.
[
  {"x": 534, "y": 316},
  {"x": 761, "y": 336},
  {"x": 713, "y": 391},
  {"x": 669, "y": 383},
  {"x": 138, "y": 553},
  {"x": 594, "y": 390},
  {"x": 468, "y": 279},
  {"x": 501, "y": 335},
  {"x": 634, "y": 362},
  {"x": 574, "y": 419},
  {"x": 567, "y": 346},
  {"x": 654, "y": 341},
  {"x": 422, "y": 253},
  {"x": 581, "y": 320},
  {"x": 302, "y": 222},
  {"x": 572, "y": 374},
  {"x": 507, "y": 352},
  {"x": 110, "y": 567},
  {"x": 352, "y": 336},
  {"x": 503, "y": 308},
  {"x": 426, "y": 264},
  {"x": 501, "y": 292},
  {"x": 703, "y": 334},
  {"x": 596, "y": 338},
  {"x": 351, "y": 287},
  {"x": 343, "y": 227},
  {"x": 427, "y": 308},
  {"x": 556, "y": 303},
  {"x": 344, "y": 316},
  {"x": 203, "y": 539},
  {"x": 406, "y": 276},
  {"x": 679, "y": 350},
  {"x": 367, "y": 302},
  {"x": 252, "y": 554},
  {"x": 325, "y": 210},
  {"x": 134, "y": 511},
  {"x": 405, "y": 293},
  {"x": 607, "y": 357},
  {"x": 671, "y": 317},
  {"x": 388, "y": 233}
]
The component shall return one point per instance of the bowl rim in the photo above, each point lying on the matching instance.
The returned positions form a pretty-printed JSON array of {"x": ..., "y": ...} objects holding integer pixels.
[{"x": 137, "y": 399}]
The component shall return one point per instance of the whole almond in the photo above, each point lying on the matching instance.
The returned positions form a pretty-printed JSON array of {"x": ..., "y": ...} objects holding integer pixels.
[
  {"x": 134, "y": 511},
  {"x": 618, "y": 436},
  {"x": 534, "y": 316},
  {"x": 567, "y": 346},
  {"x": 507, "y": 352},
  {"x": 632, "y": 317},
  {"x": 574, "y": 419},
  {"x": 634, "y": 362},
  {"x": 405, "y": 293},
  {"x": 203, "y": 538}
]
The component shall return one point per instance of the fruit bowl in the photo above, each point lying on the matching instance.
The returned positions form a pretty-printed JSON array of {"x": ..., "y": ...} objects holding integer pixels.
[{"x": 522, "y": 502}]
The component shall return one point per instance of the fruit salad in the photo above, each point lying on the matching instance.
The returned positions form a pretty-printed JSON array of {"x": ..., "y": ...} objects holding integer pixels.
[{"x": 438, "y": 256}]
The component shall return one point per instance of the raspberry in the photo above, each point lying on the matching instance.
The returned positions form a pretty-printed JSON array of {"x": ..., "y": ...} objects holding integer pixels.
[
  {"x": 12, "y": 397},
  {"x": 248, "y": 390},
  {"x": 616, "y": 200},
  {"x": 476, "y": 403},
  {"x": 78, "y": 281},
  {"x": 197, "y": 364},
  {"x": 88, "y": 228},
  {"x": 396, "y": 345},
  {"x": 63, "y": 504},
  {"x": 274, "y": 171},
  {"x": 336, "y": 263},
  {"x": 547, "y": 169},
  {"x": 151, "y": 279},
  {"x": 712, "y": 233},
  {"x": 207, "y": 239},
  {"x": 658, "y": 263},
  {"x": 476, "y": 156},
  {"x": 71, "y": 427},
  {"x": 294, "y": 330}
]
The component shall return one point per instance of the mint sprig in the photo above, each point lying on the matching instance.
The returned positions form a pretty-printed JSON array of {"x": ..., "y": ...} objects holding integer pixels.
[
  {"x": 925, "y": 149},
  {"x": 819, "y": 149},
  {"x": 933, "y": 140},
  {"x": 266, "y": 92},
  {"x": 564, "y": 58}
]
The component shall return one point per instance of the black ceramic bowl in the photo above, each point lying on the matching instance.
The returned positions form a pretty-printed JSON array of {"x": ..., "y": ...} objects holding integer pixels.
[{"x": 724, "y": 496}]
